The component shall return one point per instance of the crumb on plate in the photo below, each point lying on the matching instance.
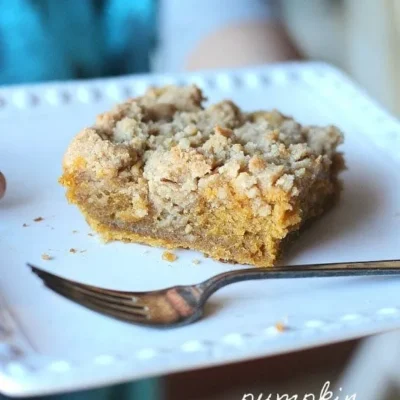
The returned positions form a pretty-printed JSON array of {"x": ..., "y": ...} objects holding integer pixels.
[
  {"x": 72, "y": 250},
  {"x": 169, "y": 256},
  {"x": 280, "y": 327},
  {"x": 25, "y": 225},
  {"x": 74, "y": 231},
  {"x": 196, "y": 261},
  {"x": 46, "y": 257},
  {"x": 38, "y": 219}
]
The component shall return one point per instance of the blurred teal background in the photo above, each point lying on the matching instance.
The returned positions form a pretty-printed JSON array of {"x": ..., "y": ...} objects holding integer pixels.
[{"x": 67, "y": 39}]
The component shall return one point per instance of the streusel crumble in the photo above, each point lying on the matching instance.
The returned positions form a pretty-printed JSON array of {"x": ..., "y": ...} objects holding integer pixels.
[{"x": 162, "y": 170}]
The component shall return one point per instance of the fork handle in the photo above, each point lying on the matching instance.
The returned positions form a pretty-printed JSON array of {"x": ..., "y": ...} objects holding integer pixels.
[{"x": 369, "y": 268}]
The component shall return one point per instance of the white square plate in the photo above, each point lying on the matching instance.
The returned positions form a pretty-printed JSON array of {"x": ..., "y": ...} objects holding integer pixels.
[{"x": 48, "y": 344}]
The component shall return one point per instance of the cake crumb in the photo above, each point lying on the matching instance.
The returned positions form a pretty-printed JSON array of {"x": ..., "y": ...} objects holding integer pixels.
[
  {"x": 25, "y": 225},
  {"x": 83, "y": 251},
  {"x": 72, "y": 250},
  {"x": 280, "y": 327},
  {"x": 196, "y": 261},
  {"x": 169, "y": 256},
  {"x": 38, "y": 219},
  {"x": 90, "y": 234},
  {"x": 75, "y": 231},
  {"x": 46, "y": 257}
]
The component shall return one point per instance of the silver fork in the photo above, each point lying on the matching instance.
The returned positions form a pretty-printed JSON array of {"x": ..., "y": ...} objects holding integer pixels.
[{"x": 181, "y": 305}]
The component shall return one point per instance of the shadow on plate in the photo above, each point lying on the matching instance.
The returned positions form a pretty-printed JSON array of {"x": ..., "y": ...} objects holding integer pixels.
[
  {"x": 358, "y": 201},
  {"x": 14, "y": 199}
]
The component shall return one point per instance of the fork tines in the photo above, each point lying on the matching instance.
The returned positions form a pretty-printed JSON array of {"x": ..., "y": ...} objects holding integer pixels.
[{"x": 120, "y": 305}]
